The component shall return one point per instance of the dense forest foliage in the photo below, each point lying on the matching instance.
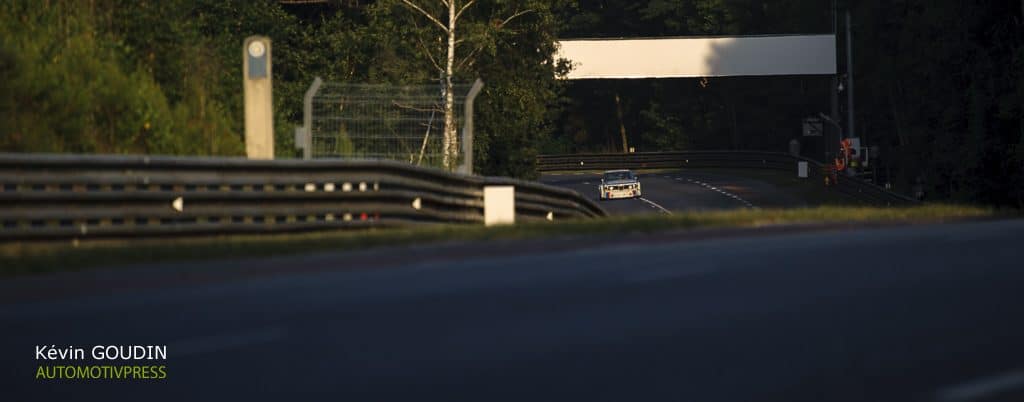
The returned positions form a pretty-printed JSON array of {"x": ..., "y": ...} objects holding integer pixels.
[{"x": 938, "y": 83}]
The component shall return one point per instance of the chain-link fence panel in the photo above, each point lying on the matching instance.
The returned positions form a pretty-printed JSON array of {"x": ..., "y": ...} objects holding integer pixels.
[{"x": 403, "y": 123}]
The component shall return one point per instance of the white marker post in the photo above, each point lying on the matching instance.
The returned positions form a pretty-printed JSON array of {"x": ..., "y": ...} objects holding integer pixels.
[
  {"x": 499, "y": 205},
  {"x": 258, "y": 86}
]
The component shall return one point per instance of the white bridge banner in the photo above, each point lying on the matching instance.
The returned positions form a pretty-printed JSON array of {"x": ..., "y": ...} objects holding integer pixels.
[{"x": 700, "y": 57}]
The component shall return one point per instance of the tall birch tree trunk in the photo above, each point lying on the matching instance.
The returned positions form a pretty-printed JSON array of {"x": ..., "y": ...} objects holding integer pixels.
[{"x": 451, "y": 140}]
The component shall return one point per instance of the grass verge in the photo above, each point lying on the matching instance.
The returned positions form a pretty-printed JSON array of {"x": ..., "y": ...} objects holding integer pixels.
[{"x": 17, "y": 259}]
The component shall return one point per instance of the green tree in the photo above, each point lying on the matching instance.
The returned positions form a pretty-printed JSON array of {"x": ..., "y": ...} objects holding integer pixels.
[{"x": 509, "y": 44}]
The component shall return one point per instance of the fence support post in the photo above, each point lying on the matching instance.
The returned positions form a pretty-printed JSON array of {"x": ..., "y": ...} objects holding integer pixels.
[
  {"x": 467, "y": 129},
  {"x": 304, "y": 134}
]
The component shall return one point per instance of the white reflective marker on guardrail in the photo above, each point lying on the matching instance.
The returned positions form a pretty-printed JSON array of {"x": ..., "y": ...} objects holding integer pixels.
[{"x": 499, "y": 205}]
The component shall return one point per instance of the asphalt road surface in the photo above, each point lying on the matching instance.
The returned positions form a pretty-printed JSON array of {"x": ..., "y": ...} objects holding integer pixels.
[
  {"x": 911, "y": 313},
  {"x": 667, "y": 191}
]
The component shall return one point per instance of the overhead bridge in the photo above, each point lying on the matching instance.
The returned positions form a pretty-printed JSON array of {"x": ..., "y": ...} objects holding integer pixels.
[{"x": 685, "y": 57}]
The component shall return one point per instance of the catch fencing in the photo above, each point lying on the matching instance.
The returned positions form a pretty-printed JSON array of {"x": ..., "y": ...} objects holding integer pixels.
[{"x": 403, "y": 123}]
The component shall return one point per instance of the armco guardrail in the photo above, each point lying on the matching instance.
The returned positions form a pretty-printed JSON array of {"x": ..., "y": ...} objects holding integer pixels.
[
  {"x": 851, "y": 187},
  {"x": 72, "y": 196}
]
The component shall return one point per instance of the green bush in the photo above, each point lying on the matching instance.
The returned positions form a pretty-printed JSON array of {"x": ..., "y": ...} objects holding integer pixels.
[{"x": 70, "y": 87}]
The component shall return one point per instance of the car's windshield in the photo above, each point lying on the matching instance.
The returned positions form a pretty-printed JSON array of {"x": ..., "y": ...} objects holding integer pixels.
[{"x": 624, "y": 175}]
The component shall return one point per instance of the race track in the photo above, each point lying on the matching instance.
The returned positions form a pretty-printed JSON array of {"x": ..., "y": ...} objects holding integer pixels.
[{"x": 667, "y": 191}]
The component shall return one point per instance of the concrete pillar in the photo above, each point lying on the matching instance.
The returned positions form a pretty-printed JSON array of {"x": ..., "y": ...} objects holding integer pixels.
[{"x": 259, "y": 109}]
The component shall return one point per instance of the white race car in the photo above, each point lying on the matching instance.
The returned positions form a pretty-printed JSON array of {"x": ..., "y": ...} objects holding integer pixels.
[{"x": 619, "y": 184}]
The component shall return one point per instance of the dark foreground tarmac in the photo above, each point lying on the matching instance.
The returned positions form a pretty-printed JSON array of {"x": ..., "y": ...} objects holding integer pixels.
[{"x": 910, "y": 313}]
